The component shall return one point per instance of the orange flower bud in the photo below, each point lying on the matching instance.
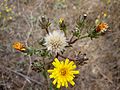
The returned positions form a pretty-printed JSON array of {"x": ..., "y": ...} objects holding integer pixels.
[
  {"x": 19, "y": 46},
  {"x": 102, "y": 27}
]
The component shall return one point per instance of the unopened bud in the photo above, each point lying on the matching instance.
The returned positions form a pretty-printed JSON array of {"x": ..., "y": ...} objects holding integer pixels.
[
  {"x": 43, "y": 19},
  {"x": 85, "y": 16}
]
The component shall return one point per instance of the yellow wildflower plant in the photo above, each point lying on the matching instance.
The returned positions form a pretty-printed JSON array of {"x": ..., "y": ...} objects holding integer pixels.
[
  {"x": 102, "y": 27},
  {"x": 63, "y": 72},
  {"x": 19, "y": 46},
  {"x": 7, "y": 10}
]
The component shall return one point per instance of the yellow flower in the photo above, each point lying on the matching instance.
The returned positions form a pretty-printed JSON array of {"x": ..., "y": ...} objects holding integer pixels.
[
  {"x": 61, "y": 20},
  {"x": 10, "y": 18},
  {"x": 105, "y": 14},
  {"x": 63, "y": 72},
  {"x": 19, "y": 46},
  {"x": 102, "y": 27}
]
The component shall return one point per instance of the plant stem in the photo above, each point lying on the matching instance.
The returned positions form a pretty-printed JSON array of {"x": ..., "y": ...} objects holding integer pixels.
[
  {"x": 71, "y": 42},
  {"x": 71, "y": 38},
  {"x": 47, "y": 30},
  {"x": 46, "y": 77}
]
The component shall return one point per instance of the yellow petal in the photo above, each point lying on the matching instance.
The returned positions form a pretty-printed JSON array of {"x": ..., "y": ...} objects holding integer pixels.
[
  {"x": 58, "y": 85},
  {"x": 71, "y": 74},
  {"x": 73, "y": 67},
  {"x": 50, "y": 71},
  {"x": 63, "y": 83},
  {"x": 62, "y": 63},
  {"x": 69, "y": 78},
  {"x": 54, "y": 82},
  {"x": 72, "y": 83},
  {"x": 75, "y": 72},
  {"x": 71, "y": 63},
  {"x": 56, "y": 60},
  {"x": 56, "y": 63},
  {"x": 66, "y": 61},
  {"x": 66, "y": 84},
  {"x": 51, "y": 76}
]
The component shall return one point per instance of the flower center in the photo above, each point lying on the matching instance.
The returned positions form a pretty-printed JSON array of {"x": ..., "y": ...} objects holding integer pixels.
[
  {"x": 63, "y": 71},
  {"x": 55, "y": 44}
]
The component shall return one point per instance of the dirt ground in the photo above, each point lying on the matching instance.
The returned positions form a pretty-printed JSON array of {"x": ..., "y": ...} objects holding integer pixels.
[{"x": 102, "y": 71}]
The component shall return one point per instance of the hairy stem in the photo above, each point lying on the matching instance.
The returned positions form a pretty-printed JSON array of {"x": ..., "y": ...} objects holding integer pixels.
[
  {"x": 47, "y": 30},
  {"x": 72, "y": 42}
]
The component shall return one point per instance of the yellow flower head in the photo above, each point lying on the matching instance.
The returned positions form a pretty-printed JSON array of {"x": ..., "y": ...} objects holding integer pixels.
[
  {"x": 105, "y": 14},
  {"x": 19, "y": 46},
  {"x": 102, "y": 27},
  {"x": 61, "y": 20},
  {"x": 63, "y": 72}
]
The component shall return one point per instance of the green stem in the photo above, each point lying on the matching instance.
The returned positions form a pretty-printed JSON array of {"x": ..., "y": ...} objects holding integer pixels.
[
  {"x": 78, "y": 39},
  {"x": 45, "y": 73},
  {"x": 83, "y": 37},
  {"x": 47, "y": 30}
]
